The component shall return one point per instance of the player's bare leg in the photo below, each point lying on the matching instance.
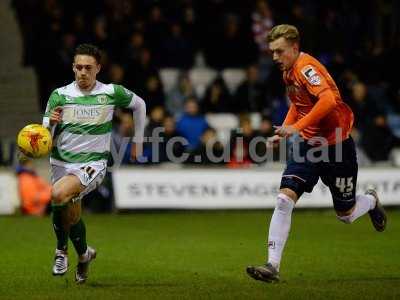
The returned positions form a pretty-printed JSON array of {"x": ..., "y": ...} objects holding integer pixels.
[
  {"x": 63, "y": 191},
  {"x": 278, "y": 233},
  {"x": 368, "y": 203}
]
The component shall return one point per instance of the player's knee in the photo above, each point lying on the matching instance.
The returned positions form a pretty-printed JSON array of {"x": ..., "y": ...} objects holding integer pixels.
[
  {"x": 284, "y": 204},
  {"x": 290, "y": 194},
  {"x": 58, "y": 196}
]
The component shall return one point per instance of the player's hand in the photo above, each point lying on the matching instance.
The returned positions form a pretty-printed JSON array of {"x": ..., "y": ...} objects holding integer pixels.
[
  {"x": 56, "y": 115},
  {"x": 285, "y": 131},
  {"x": 273, "y": 141},
  {"x": 136, "y": 151}
]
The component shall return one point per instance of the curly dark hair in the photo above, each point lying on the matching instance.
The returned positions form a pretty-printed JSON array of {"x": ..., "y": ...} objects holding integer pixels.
[{"x": 89, "y": 49}]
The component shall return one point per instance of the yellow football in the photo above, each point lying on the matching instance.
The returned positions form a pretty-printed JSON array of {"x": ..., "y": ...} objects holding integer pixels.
[{"x": 34, "y": 141}]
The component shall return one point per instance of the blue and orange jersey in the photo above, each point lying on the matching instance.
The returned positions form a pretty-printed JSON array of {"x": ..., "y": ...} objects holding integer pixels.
[{"x": 317, "y": 108}]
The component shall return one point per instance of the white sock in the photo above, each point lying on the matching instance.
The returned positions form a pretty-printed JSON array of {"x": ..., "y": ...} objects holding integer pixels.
[
  {"x": 364, "y": 203},
  {"x": 279, "y": 229}
]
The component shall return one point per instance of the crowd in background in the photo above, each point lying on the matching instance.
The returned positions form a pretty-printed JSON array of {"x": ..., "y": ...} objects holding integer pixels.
[{"x": 358, "y": 41}]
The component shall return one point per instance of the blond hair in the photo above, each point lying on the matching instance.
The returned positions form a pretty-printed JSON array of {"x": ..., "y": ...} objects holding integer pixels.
[{"x": 288, "y": 32}]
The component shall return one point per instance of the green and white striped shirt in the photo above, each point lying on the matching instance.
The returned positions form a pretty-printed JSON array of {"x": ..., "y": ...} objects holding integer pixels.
[{"x": 84, "y": 134}]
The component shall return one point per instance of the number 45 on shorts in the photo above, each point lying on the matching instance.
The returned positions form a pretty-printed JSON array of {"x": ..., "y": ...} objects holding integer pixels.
[{"x": 345, "y": 185}]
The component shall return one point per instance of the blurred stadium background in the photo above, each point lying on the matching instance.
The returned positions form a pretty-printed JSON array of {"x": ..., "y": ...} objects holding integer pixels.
[{"x": 212, "y": 53}]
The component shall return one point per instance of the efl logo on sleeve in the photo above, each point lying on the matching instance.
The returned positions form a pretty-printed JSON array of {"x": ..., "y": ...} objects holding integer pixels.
[{"x": 311, "y": 75}]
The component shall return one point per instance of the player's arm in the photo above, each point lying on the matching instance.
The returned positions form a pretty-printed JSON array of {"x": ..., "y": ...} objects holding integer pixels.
[
  {"x": 325, "y": 104},
  {"x": 317, "y": 86},
  {"x": 138, "y": 107},
  {"x": 52, "y": 115},
  {"x": 127, "y": 99},
  {"x": 291, "y": 118}
]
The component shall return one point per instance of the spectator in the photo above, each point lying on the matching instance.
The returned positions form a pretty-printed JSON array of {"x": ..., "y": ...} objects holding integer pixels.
[
  {"x": 190, "y": 26},
  {"x": 178, "y": 51},
  {"x": 250, "y": 95},
  {"x": 156, "y": 29},
  {"x": 133, "y": 49},
  {"x": 116, "y": 74},
  {"x": 138, "y": 75},
  {"x": 65, "y": 58},
  {"x": 34, "y": 192},
  {"x": 263, "y": 22},
  {"x": 100, "y": 35},
  {"x": 156, "y": 120},
  {"x": 171, "y": 145},
  {"x": 155, "y": 123},
  {"x": 364, "y": 108},
  {"x": 80, "y": 29},
  {"x": 221, "y": 56},
  {"x": 192, "y": 124},
  {"x": 240, "y": 142},
  {"x": 265, "y": 131},
  {"x": 178, "y": 95},
  {"x": 217, "y": 98},
  {"x": 378, "y": 140},
  {"x": 210, "y": 151},
  {"x": 394, "y": 114},
  {"x": 153, "y": 93}
]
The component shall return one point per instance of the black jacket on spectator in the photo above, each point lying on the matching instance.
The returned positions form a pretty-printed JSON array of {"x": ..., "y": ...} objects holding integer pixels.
[
  {"x": 250, "y": 97},
  {"x": 217, "y": 98},
  {"x": 378, "y": 140}
]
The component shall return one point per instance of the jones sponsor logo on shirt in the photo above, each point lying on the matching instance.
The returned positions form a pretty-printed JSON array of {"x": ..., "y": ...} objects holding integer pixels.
[
  {"x": 311, "y": 75},
  {"x": 87, "y": 113},
  {"x": 94, "y": 114}
]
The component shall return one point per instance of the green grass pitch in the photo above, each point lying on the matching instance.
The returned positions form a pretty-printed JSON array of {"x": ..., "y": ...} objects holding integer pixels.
[{"x": 191, "y": 255}]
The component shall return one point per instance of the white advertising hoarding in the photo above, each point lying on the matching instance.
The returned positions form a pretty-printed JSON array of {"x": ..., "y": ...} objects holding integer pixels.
[
  {"x": 8, "y": 193},
  {"x": 220, "y": 189}
]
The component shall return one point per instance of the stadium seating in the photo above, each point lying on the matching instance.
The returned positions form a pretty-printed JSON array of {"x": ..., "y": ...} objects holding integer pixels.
[
  {"x": 233, "y": 77},
  {"x": 169, "y": 78},
  {"x": 223, "y": 124},
  {"x": 201, "y": 78}
]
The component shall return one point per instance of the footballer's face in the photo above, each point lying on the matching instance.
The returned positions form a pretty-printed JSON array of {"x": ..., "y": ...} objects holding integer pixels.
[
  {"x": 284, "y": 53},
  {"x": 85, "y": 68}
]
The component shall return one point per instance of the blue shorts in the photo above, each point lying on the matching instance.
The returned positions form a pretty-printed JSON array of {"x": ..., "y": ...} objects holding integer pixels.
[{"x": 338, "y": 171}]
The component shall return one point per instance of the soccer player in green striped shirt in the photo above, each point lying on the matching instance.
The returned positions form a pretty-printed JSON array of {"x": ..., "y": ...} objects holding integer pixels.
[{"x": 80, "y": 118}]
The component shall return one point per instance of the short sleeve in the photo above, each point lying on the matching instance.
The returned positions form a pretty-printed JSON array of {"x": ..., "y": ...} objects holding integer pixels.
[
  {"x": 313, "y": 79},
  {"x": 122, "y": 96},
  {"x": 54, "y": 100}
]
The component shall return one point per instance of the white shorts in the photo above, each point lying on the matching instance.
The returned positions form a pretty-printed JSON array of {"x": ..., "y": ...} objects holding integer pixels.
[{"x": 91, "y": 174}]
